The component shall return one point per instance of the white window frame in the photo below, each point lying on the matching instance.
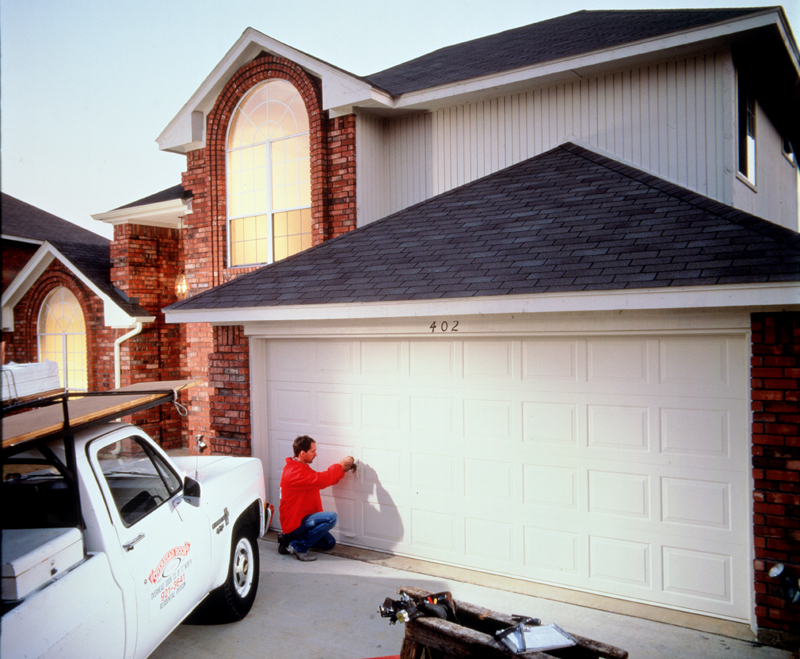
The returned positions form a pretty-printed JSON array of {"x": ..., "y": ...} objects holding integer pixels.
[
  {"x": 270, "y": 210},
  {"x": 65, "y": 363}
]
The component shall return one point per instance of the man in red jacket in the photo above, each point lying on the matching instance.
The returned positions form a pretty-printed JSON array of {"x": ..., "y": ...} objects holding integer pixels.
[{"x": 304, "y": 524}]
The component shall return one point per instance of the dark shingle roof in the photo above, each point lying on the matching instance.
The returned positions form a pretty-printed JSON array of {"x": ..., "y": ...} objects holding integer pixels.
[
  {"x": 86, "y": 251},
  {"x": 94, "y": 262},
  {"x": 565, "y": 36},
  {"x": 175, "y": 192},
  {"x": 567, "y": 220},
  {"x": 21, "y": 220}
]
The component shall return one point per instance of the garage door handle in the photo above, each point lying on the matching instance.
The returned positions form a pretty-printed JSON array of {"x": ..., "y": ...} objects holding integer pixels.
[{"x": 128, "y": 546}]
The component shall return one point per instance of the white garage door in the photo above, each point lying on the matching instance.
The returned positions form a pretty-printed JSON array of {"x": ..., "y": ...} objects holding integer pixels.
[{"x": 616, "y": 465}]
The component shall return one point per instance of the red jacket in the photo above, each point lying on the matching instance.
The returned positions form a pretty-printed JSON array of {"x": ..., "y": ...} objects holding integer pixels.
[{"x": 300, "y": 486}]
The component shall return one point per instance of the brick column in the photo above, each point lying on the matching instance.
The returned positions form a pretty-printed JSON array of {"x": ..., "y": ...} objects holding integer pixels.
[
  {"x": 145, "y": 262},
  {"x": 229, "y": 381},
  {"x": 775, "y": 378}
]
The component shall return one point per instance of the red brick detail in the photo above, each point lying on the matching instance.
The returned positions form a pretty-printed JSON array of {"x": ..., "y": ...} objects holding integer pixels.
[
  {"x": 15, "y": 256},
  {"x": 220, "y": 356},
  {"x": 775, "y": 379},
  {"x": 229, "y": 381},
  {"x": 342, "y": 175},
  {"x": 145, "y": 262}
]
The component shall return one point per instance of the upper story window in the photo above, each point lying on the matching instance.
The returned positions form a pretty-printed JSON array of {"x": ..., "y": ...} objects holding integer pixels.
[
  {"x": 62, "y": 337},
  {"x": 269, "y": 176},
  {"x": 747, "y": 134}
]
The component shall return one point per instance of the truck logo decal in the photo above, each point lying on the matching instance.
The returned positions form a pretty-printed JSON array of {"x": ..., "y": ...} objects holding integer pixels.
[
  {"x": 222, "y": 522},
  {"x": 157, "y": 573}
]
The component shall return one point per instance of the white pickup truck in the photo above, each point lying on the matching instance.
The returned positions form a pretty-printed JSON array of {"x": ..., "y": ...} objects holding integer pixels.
[{"x": 108, "y": 543}]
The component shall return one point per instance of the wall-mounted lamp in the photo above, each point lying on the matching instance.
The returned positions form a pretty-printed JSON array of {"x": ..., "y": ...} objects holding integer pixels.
[
  {"x": 790, "y": 586},
  {"x": 181, "y": 287}
]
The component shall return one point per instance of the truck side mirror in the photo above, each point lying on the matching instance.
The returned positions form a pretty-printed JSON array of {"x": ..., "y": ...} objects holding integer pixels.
[{"x": 191, "y": 492}]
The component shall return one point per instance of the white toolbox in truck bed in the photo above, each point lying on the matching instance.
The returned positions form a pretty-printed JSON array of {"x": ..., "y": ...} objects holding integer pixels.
[{"x": 32, "y": 557}]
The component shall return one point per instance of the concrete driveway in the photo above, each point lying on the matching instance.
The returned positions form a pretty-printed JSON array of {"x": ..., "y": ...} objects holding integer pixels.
[{"x": 328, "y": 609}]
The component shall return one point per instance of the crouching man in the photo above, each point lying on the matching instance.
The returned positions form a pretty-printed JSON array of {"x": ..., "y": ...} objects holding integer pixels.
[{"x": 305, "y": 525}]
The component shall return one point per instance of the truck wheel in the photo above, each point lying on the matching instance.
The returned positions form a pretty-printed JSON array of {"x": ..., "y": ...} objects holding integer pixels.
[{"x": 237, "y": 594}]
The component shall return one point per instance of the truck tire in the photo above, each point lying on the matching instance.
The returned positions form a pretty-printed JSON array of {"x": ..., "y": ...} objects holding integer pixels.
[{"x": 237, "y": 594}]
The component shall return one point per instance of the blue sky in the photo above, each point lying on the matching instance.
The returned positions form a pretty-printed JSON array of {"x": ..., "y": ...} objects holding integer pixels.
[{"x": 88, "y": 85}]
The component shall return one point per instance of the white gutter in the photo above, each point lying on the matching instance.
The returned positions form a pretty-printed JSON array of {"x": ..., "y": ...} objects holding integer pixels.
[
  {"x": 117, "y": 343},
  {"x": 734, "y": 296}
]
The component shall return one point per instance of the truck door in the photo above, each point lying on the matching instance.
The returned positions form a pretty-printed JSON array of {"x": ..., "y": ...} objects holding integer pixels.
[{"x": 165, "y": 541}]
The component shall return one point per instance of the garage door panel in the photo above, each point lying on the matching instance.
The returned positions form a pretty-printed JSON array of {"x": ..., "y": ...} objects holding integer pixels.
[
  {"x": 383, "y": 522},
  {"x": 491, "y": 420},
  {"x": 345, "y": 507},
  {"x": 293, "y": 407},
  {"x": 618, "y": 361},
  {"x": 434, "y": 532},
  {"x": 619, "y": 494},
  {"x": 385, "y": 412},
  {"x": 432, "y": 474},
  {"x": 432, "y": 358},
  {"x": 619, "y": 427},
  {"x": 491, "y": 360},
  {"x": 555, "y": 551},
  {"x": 611, "y": 464},
  {"x": 552, "y": 361},
  {"x": 616, "y": 561},
  {"x": 489, "y": 479},
  {"x": 384, "y": 359},
  {"x": 551, "y": 487},
  {"x": 433, "y": 415},
  {"x": 489, "y": 541}
]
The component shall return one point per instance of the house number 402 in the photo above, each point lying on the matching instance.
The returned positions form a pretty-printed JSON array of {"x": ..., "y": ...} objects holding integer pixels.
[{"x": 444, "y": 326}]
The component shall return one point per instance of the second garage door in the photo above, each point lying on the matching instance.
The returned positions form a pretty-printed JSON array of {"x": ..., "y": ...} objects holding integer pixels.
[{"x": 612, "y": 464}]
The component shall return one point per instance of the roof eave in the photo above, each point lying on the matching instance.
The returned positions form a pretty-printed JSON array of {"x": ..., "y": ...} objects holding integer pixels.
[
  {"x": 756, "y": 296},
  {"x": 168, "y": 214},
  {"x": 675, "y": 44}
]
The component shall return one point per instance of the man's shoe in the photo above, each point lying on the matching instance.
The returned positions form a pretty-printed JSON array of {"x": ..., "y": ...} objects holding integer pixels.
[
  {"x": 305, "y": 557},
  {"x": 282, "y": 544}
]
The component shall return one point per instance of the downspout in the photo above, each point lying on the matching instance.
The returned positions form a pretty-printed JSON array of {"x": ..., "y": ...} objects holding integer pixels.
[{"x": 117, "y": 343}]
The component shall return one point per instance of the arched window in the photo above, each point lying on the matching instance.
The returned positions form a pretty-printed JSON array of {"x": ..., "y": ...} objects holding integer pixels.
[
  {"x": 269, "y": 176},
  {"x": 62, "y": 337}
]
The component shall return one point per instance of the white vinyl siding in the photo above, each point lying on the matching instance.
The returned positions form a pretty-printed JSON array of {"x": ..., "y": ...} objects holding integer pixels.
[{"x": 669, "y": 119}]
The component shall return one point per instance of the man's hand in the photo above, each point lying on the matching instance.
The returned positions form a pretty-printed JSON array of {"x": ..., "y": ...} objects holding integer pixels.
[{"x": 348, "y": 463}]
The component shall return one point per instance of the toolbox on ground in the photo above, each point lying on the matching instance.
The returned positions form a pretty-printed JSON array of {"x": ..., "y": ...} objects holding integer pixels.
[{"x": 479, "y": 632}]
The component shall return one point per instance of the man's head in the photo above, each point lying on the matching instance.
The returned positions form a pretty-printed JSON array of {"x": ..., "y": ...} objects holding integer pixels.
[{"x": 305, "y": 449}]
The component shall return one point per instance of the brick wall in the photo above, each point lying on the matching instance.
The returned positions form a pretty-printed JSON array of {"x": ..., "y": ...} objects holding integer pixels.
[
  {"x": 342, "y": 175},
  {"x": 220, "y": 411},
  {"x": 229, "y": 380},
  {"x": 15, "y": 256},
  {"x": 775, "y": 378},
  {"x": 145, "y": 262}
]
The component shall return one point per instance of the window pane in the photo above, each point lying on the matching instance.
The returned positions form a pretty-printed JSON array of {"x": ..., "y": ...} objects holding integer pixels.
[
  {"x": 62, "y": 337},
  {"x": 270, "y": 176},
  {"x": 301, "y": 116},
  {"x": 139, "y": 482},
  {"x": 280, "y": 249}
]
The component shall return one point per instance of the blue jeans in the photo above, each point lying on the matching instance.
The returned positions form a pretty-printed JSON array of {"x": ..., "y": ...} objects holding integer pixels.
[{"x": 314, "y": 533}]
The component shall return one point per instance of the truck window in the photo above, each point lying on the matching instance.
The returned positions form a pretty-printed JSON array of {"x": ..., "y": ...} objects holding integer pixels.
[{"x": 138, "y": 477}]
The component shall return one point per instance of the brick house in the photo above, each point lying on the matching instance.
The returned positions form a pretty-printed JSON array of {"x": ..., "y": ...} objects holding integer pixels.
[{"x": 544, "y": 288}]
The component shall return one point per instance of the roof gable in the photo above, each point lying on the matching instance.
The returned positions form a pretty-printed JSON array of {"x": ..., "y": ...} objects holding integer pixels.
[
  {"x": 567, "y": 221},
  {"x": 91, "y": 264}
]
